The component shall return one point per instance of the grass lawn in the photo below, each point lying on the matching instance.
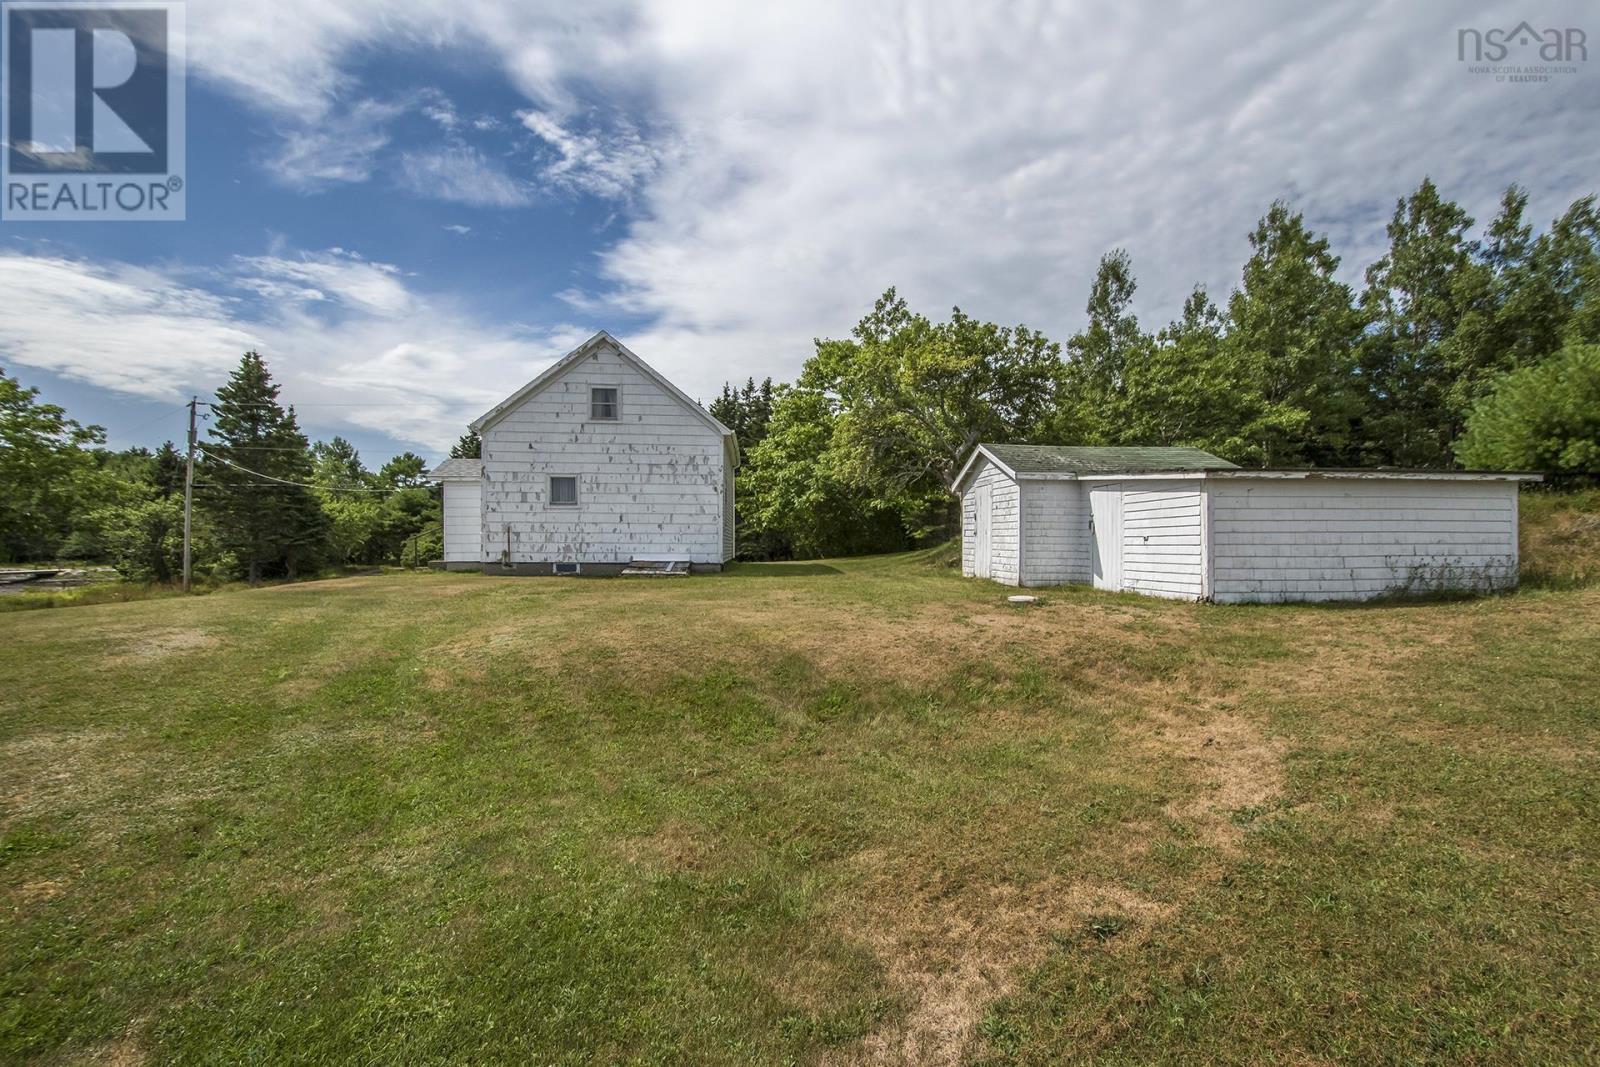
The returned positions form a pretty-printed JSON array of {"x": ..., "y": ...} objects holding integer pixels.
[{"x": 858, "y": 811}]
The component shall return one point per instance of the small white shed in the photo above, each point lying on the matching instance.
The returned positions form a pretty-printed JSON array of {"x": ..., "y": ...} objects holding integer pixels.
[
  {"x": 1180, "y": 522},
  {"x": 462, "y": 483}
]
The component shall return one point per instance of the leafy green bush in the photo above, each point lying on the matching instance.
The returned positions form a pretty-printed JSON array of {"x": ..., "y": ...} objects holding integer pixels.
[{"x": 1543, "y": 417}]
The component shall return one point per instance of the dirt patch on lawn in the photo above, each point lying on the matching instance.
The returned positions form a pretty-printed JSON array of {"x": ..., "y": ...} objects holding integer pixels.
[{"x": 950, "y": 951}]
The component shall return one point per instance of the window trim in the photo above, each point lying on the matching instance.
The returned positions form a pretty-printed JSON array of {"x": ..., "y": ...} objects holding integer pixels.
[
  {"x": 550, "y": 499},
  {"x": 617, "y": 403}
]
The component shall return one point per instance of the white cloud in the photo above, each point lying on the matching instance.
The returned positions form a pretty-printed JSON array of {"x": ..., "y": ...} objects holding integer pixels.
[
  {"x": 336, "y": 275},
  {"x": 461, "y": 175},
  {"x": 338, "y": 148},
  {"x": 607, "y": 166},
  {"x": 799, "y": 158},
  {"x": 458, "y": 229},
  {"x": 345, "y": 337}
]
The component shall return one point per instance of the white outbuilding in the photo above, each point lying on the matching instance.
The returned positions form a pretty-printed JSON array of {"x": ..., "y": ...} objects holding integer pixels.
[{"x": 1182, "y": 523}]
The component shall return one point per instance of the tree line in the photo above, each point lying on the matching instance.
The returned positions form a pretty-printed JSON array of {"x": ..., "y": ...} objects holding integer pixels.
[
  {"x": 1461, "y": 348},
  {"x": 267, "y": 502}
]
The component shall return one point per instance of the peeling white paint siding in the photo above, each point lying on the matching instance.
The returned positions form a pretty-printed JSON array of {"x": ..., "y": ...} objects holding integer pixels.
[
  {"x": 1055, "y": 533},
  {"x": 653, "y": 484},
  {"x": 1322, "y": 540},
  {"x": 1162, "y": 549},
  {"x": 1005, "y": 532},
  {"x": 463, "y": 503}
]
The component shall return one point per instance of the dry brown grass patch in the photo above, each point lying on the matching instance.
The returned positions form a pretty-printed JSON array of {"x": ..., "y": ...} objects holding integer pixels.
[
  {"x": 61, "y": 771},
  {"x": 676, "y": 847},
  {"x": 951, "y": 948},
  {"x": 1234, "y": 767},
  {"x": 159, "y": 644}
]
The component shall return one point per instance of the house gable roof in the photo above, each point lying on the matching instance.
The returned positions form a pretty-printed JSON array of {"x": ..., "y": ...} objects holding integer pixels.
[
  {"x": 560, "y": 367},
  {"x": 457, "y": 470},
  {"x": 1071, "y": 461}
]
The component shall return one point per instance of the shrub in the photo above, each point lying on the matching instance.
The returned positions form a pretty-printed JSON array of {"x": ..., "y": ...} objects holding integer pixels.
[{"x": 1542, "y": 417}]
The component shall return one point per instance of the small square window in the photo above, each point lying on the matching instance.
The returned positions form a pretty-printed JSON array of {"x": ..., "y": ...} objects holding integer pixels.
[
  {"x": 603, "y": 403},
  {"x": 564, "y": 491}
]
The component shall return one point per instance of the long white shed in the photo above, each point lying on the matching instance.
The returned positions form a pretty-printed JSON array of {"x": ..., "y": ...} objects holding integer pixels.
[{"x": 1182, "y": 523}]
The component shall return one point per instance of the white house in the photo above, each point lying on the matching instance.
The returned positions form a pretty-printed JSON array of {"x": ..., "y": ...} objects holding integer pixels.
[
  {"x": 1179, "y": 522},
  {"x": 597, "y": 463}
]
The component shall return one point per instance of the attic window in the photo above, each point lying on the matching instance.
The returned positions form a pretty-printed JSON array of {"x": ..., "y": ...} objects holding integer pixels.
[
  {"x": 603, "y": 403},
  {"x": 563, "y": 491}
]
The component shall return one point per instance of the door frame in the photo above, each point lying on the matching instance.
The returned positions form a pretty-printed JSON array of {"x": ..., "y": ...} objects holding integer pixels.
[{"x": 983, "y": 532}]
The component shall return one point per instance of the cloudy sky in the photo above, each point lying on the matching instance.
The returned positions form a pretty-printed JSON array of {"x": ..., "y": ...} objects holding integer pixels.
[{"x": 412, "y": 207}]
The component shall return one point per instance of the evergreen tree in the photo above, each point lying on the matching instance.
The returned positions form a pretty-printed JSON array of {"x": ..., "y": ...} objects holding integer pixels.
[
  {"x": 171, "y": 467},
  {"x": 336, "y": 464},
  {"x": 1416, "y": 297},
  {"x": 1093, "y": 392},
  {"x": 746, "y": 411},
  {"x": 470, "y": 446},
  {"x": 1291, "y": 334},
  {"x": 270, "y": 526},
  {"x": 405, "y": 471}
]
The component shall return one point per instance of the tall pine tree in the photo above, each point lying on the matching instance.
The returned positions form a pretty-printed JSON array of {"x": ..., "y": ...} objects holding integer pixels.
[
  {"x": 270, "y": 527},
  {"x": 1093, "y": 392},
  {"x": 1416, "y": 298},
  {"x": 1291, "y": 333}
]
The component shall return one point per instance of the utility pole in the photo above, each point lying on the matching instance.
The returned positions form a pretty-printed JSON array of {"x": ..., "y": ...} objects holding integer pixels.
[{"x": 188, "y": 493}]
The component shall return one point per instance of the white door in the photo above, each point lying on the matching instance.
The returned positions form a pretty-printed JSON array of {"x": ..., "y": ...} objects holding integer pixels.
[
  {"x": 1105, "y": 519},
  {"x": 983, "y": 534}
]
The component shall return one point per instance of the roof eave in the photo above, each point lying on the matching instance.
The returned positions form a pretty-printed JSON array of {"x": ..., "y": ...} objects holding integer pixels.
[{"x": 978, "y": 450}]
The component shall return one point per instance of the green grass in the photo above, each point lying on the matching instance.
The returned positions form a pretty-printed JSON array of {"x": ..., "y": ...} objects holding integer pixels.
[{"x": 847, "y": 811}]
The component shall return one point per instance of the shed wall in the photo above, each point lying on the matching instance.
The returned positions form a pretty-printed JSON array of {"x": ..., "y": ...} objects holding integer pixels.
[
  {"x": 463, "y": 522},
  {"x": 1006, "y": 526},
  {"x": 1162, "y": 540},
  {"x": 650, "y": 484},
  {"x": 1353, "y": 540},
  {"x": 1055, "y": 519}
]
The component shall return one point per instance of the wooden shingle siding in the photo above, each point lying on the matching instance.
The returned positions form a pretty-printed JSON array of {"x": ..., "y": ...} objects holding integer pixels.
[
  {"x": 1351, "y": 541},
  {"x": 1162, "y": 543},
  {"x": 652, "y": 484},
  {"x": 1005, "y": 529},
  {"x": 1055, "y": 533}
]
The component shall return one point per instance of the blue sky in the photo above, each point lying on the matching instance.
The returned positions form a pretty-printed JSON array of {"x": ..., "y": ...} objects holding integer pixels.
[{"x": 411, "y": 207}]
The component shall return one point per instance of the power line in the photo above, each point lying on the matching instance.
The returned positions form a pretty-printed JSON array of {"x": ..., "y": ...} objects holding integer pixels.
[{"x": 285, "y": 481}]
